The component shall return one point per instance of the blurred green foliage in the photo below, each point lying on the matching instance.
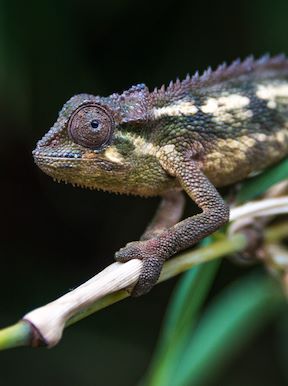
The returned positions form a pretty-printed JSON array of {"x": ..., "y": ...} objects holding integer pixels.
[
  {"x": 225, "y": 326},
  {"x": 259, "y": 184},
  {"x": 181, "y": 317}
]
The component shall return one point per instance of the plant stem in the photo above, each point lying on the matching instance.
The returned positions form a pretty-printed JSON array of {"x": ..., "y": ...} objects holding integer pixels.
[
  {"x": 20, "y": 334},
  {"x": 171, "y": 268}
]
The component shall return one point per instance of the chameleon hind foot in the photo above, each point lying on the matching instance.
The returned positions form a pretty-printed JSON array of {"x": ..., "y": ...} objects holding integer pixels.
[{"x": 254, "y": 251}]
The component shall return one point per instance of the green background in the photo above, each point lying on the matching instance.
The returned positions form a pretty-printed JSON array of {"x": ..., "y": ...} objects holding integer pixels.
[{"x": 53, "y": 236}]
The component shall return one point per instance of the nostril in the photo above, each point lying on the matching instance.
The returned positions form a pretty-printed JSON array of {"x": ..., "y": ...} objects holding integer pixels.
[
  {"x": 48, "y": 142},
  {"x": 54, "y": 142},
  {"x": 50, "y": 139}
]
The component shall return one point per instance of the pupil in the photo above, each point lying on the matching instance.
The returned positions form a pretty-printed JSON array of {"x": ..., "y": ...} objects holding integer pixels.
[{"x": 94, "y": 124}]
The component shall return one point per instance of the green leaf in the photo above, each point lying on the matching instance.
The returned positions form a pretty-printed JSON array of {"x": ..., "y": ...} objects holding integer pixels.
[
  {"x": 258, "y": 185},
  {"x": 188, "y": 299},
  {"x": 226, "y": 326},
  {"x": 180, "y": 319}
]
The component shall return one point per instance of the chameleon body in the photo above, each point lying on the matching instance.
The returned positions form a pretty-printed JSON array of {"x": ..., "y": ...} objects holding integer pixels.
[{"x": 194, "y": 135}]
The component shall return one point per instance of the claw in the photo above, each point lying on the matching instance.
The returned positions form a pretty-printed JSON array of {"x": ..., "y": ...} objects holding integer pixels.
[{"x": 149, "y": 252}]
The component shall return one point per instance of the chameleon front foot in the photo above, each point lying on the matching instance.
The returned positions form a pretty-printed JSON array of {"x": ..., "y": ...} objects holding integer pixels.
[
  {"x": 149, "y": 275},
  {"x": 152, "y": 264}
]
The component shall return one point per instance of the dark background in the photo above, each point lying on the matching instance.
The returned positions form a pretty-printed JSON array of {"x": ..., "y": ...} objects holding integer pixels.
[{"x": 53, "y": 236}]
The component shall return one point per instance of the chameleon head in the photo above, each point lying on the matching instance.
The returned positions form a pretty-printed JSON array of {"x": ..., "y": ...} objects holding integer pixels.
[
  {"x": 75, "y": 149},
  {"x": 98, "y": 142}
]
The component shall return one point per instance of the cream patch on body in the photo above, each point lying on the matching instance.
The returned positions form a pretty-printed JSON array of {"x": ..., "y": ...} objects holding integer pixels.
[
  {"x": 224, "y": 103},
  {"x": 214, "y": 106},
  {"x": 112, "y": 154},
  {"x": 271, "y": 92},
  {"x": 142, "y": 146},
  {"x": 176, "y": 109},
  {"x": 232, "y": 155}
]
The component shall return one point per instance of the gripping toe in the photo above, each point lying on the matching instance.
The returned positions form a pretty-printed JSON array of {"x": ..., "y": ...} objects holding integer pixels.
[
  {"x": 149, "y": 275},
  {"x": 148, "y": 252}
]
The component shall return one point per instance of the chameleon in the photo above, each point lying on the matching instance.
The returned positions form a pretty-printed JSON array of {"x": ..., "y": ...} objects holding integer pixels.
[{"x": 194, "y": 136}]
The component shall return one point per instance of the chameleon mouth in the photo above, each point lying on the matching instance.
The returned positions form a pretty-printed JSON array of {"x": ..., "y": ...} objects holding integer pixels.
[
  {"x": 61, "y": 171},
  {"x": 70, "y": 173},
  {"x": 79, "y": 171},
  {"x": 53, "y": 161},
  {"x": 55, "y": 167}
]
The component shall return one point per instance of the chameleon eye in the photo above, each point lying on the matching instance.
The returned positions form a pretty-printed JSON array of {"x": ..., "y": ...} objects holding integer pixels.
[
  {"x": 91, "y": 126},
  {"x": 94, "y": 124}
]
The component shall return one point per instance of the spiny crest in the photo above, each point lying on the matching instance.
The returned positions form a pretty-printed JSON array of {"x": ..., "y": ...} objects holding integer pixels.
[
  {"x": 222, "y": 73},
  {"x": 132, "y": 103}
]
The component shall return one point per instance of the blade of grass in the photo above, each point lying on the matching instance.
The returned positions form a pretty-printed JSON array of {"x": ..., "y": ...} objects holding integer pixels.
[
  {"x": 226, "y": 326},
  {"x": 180, "y": 318},
  {"x": 188, "y": 297},
  {"x": 253, "y": 187}
]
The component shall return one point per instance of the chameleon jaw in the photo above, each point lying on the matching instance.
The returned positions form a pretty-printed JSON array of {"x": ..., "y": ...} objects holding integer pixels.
[{"x": 85, "y": 172}]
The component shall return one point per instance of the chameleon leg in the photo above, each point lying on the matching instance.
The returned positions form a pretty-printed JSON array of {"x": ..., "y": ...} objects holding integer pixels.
[
  {"x": 184, "y": 234},
  {"x": 168, "y": 214}
]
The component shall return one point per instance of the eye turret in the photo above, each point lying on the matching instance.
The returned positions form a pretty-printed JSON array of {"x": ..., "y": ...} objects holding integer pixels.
[{"x": 91, "y": 126}]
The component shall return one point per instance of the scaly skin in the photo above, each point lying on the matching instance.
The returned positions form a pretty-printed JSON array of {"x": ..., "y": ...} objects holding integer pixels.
[{"x": 203, "y": 132}]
